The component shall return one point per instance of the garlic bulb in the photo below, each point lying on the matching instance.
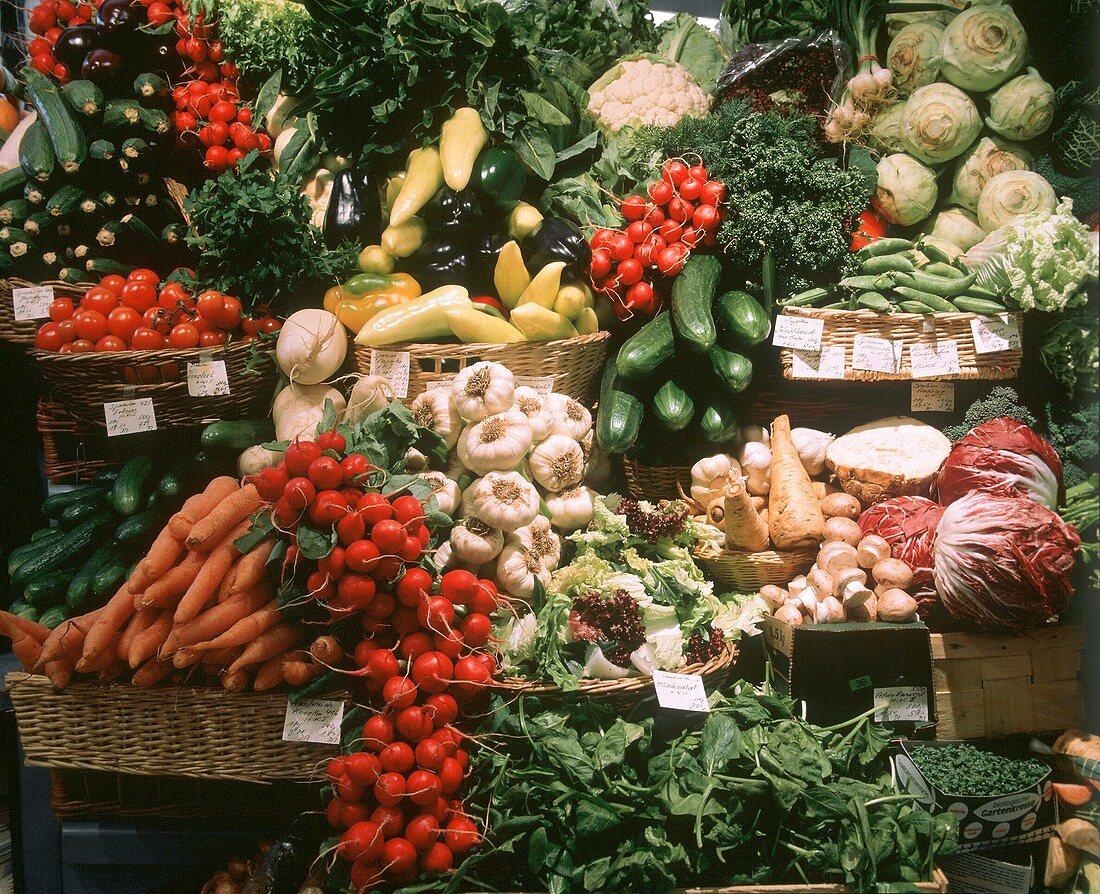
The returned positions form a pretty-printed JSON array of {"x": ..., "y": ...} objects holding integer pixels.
[
  {"x": 756, "y": 464},
  {"x": 444, "y": 557},
  {"x": 496, "y": 443},
  {"x": 557, "y": 463},
  {"x": 482, "y": 390},
  {"x": 811, "y": 444},
  {"x": 748, "y": 433},
  {"x": 518, "y": 569},
  {"x": 571, "y": 509},
  {"x": 415, "y": 461},
  {"x": 709, "y": 474},
  {"x": 369, "y": 395},
  {"x": 568, "y": 417},
  {"x": 435, "y": 410},
  {"x": 531, "y": 404},
  {"x": 475, "y": 542},
  {"x": 445, "y": 491},
  {"x": 597, "y": 463},
  {"x": 539, "y": 538},
  {"x": 505, "y": 500}
]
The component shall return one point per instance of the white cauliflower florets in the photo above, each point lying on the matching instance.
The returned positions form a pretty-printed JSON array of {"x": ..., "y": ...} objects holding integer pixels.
[{"x": 641, "y": 91}]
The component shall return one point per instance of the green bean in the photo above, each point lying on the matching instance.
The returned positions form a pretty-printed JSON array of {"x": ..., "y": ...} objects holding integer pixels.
[
  {"x": 947, "y": 271},
  {"x": 937, "y": 285},
  {"x": 915, "y": 307},
  {"x": 883, "y": 247},
  {"x": 938, "y": 303},
  {"x": 934, "y": 253},
  {"x": 973, "y": 305},
  {"x": 875, "y": 301},
  {"x": 803, "y": 299},
  {"x": 886, "y": 264},
  {"x": 869, "y": 283}
]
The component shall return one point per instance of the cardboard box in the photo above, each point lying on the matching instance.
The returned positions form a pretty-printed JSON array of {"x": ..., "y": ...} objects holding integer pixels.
[
  {"x": 840, "y": 671},
  {"x": 985, "y": 822}
]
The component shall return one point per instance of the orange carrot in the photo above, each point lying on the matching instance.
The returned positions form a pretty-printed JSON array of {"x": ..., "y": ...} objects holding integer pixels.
[
  {"x": 173, "y": 584},
  {"x": 235, "y": 681},
  {"x": 147, "y": 643},
  {"x": 141, "y": 621},
  {"x": 151, "y": 673},
  {"x": 60, "y": 671},
  {"x": 165, "y": 552},
  {"x": 269, "y": 644},
  {"x": 99, "y": 659},
  {"x": 38, "y": 632},
  {"x": 269, "y": 674},
  {"x": 116, "y": 612},
  {"x": 210, "y": 576},
  {"x": 200, "y": 505},
  {"x": 297, "y": 673},
  {"x": 225, "y": 588},
  {"x": 252, "y": 565},
  {"x": 185, "y": 658},
  {"x": 217, "y": 660},
  {"x": 215, "y": 620},
  {"x": 247, "y": 629},
  {"x": 230, "y": 512},
  {"x": 112, "y": 671},
  {"x": 67, "y": 638},
  {"x": 26, "y": 647}
]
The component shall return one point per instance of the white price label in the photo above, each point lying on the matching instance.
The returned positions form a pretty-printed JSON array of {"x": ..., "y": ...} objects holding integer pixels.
[
  {"x": 313, "y": 720},
  {"x": 442, "y": 382},
  {"x": 940, "y": 358},
  {"x": 982, "y": 875},
  {"x": 932, "y": 397},
  {"x": 207, "y": 379},
  {"x": 798, "y": 333},
  {"x": 876, "y": 354},
  {"x": 680, "y": 692},
  {"x": 901, "y": 703},
  {"x": 128, "y": 417},
  {"x": 32, "y": 303},
  {"x": 542, "y": 384},
  {"x": 826, "y": 363},
  {"x": 394, "y": 367},
  {"x": 995, "y": 334}
]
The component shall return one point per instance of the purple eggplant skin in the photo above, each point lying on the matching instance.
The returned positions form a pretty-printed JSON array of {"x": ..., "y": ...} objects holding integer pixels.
[
  {"x": 121, "y": 15},
  {"x": 74, "y": 44},
  {"x": 101, "y": 67}
]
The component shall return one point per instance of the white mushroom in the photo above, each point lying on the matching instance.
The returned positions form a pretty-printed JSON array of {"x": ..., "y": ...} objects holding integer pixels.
[
  {"x": 829, "y": 611},
  {"x": 893, "y": 573},
  {"x": 871, "y": 550},
  {"x": 851, "y": 588},
  {"x": 842, "y": 529},
  {"x": 821, "y": 582},
  {"x": 797, "y": 585},
  {"x": 897, "y": 607},
  {"x": 788, "y": 614},
  {"x": 840, "y": 505},
  {"x": 866, "y": 612},
  {"x": 838, "y": 560},
  {"x": 773, "y": 596}
]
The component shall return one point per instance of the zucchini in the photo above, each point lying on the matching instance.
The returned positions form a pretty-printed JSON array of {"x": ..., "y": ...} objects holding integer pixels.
[
  {"x": 11, "y": 180},
  {"x": 693, "y": 294},
  {"x": 54, "y": 617},
  {"x": 673, "y": 408},
  {"x": 9, "y": 236},
  {"x": 70, "y": 275},
  {"x": 134, "y": 147},
  {"x": 137, "y": 226},
  {"x": 102, "y": 150},
  {"x": 620, "y": 413},
  {"x": 108, "y": 266},
  {"x": 647, "y": 348},
  {"x": 80, "y": 587},
  {"x": 122, "y": 113},
  {"x": 173, "y": 233},
  {"x": 129, "y": 485},
  {"x": 84, "y": 98},
  {"x": 138, "y": 525},
  {"x": 744, "y": 319},
  {"x": 66, "y": 200},
  {"x": 154, "y": 120},
  {"x": 36, "y": 153},
  {"x": 150, "y": 86},
  {"x": 237, "y": 434},
  {"x": 90, "y": 206},
  {"x": 108, "y": 234},
  {"x": 14, "y": 211},
  {"x": 64, "y": 550},
  {"x": 69, "y": 143},
  {"x": 47, "y": 590},
  {"x": 34, "y": 193},
  {"x": 719, "y": 421},
  {"x": 36, "y": 222},
  {"x": 107, "y": 199},
  {"x": 734, "y": 371}
]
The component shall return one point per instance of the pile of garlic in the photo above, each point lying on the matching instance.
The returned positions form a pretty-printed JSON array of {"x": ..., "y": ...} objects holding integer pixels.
[
  {"x": 514, "y": 451},
  {"x": 837, "y": 588}
]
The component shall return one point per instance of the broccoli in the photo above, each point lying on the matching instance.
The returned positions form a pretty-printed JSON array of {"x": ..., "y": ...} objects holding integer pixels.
[
  {"x": 1001, "y": 401},
  {"x": 1072, "y": 431}
]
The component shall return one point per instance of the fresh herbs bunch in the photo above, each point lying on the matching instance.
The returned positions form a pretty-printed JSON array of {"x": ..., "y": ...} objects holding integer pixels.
[
  {"x": 966, "y": 770},
  {"x": 265, "y": 36}
]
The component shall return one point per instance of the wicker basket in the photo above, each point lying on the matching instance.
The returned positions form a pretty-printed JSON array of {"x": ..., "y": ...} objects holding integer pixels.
[
  {"x": 990, "y": 685},
  {"x": 842, "y": 326},
  {"x": 655, "y": 482},
  {"x": 575, "y": 364},
  {"x": 746, "y": 572},
  {"x": 203, "y": 733},
  {"x": 627, "y": 691},
  {"x": 69, "y": 455},
  {"x": 83, "y": 383},
  {"x": 22, "y": 331}
]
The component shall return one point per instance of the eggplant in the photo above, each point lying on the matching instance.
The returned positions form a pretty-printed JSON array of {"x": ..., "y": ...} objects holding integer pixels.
[
  {"x": 101, "y": 66},
  {"x": 555, "y": 239},
  {"x": 354, "y": 209},
  {"x": 74, "y": 44},
  {"x": 452, "y": 210},
  {"x": 120, "y": 15}
]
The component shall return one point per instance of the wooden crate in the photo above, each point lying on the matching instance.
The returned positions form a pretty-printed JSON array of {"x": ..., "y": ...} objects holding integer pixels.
[{"x": 990, "y": 685}]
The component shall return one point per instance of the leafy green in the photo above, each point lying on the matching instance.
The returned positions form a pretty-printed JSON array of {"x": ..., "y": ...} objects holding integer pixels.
[
  {"x": 754, "y": 21},
  {"x": 1070, "y": 350},
  {"x": 1073, "y": 429},
  {"x": 1002, "y": 400},
  {"x": 693, "y": 46},
  {"x": 264, "y": 36}
]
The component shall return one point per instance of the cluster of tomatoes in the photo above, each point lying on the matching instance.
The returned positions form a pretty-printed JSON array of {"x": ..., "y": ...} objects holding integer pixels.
[
  {"x": 420, "y": 659},
  {"x": 682, "y": 212},
  {"x": 47, "y": 20},
  {"x": 137, "y": 313}
]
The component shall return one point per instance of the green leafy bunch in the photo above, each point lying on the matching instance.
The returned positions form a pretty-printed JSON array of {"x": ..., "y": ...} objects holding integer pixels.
[
  {"x": 264, "y": 36},
  {"x": 754, "y": 21}
]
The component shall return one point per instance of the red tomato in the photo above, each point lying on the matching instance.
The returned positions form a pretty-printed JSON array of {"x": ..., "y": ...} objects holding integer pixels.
[
  {"x": 139, "y": 294},
  {"x": 61, "y": 309},
  {"x": 114, "y": 282},
  {"x": 90, "y": 324},
  {"x": 229, "y": 316},
  {"x": 100, "y": 299},
  {"x": 81, "y": 346},
  {"x": 183, "y": 335},
  {"x": 143, "y": 274},
  {"x": 48, "y": 338},
  {"x": 211, "y": 339},
  {"x": 210, "y": 304},
  {"x": 67, "y": 330},
  {"x": 110, "y": 343}
]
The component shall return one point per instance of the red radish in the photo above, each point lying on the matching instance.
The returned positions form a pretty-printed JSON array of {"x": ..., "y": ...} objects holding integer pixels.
[
  {"x": 389, "y": 789},
  {"x": 485, "y": 599},
  {"x": 414, "y": 645},
  {"x": 699, "y": 172},
  {"x": 414, "y": 723},
  {"x": 410, "y": 512},
  {"x": 356, "y": 591},
  {"x": 660, "y": 192},
  {"x": 389, "y": 568},
  {"x": 388, "y": 535},
  {"x": 642, "y": 298},
  {"x": 363, "y": 841},
  {"x": 325, "y": 473},
  {"x": 361, "y": 556},
  {"x": 381, "y": 606},
  {"x": 432, "y": 671},
  {"x": 691, "y": 237},
  {"x": 318, "y": 585},
  {"x": 438, "y": 858},
  {"x": 347, "y": 790},
  {"x": 363, "y": 651},
  {"x": 620, "y": 247},
  {"x": 655, "y": 217},
  {"x": 674, "y": 172},
  {"x": 271, "y": 482},
  {"x": 430, "y": 754},
  {"x": 398, "y": 856},
  {"x": 350, "y": 528},
  {"x": 463, "y": 758},
  {"x": 412, "y": 549},
  {"x": 713, "y": 193},
  {"x": 444, "y": 706},
  {"x": 679, "y": 209},
  {"x": 705, "y": 217},
  {"x": 397, "y": 757},
  {"x": 470, "y": 676},
  {"x": 638, "y": 231},
  {"x": 332, "y": 440},
  {"x": 476, "y": 629},
  {"x": 378, "y": 732},
  {"x": 327, "y": 508},
  {"x": 630, "y": 271},
  {"x": 374, "y": 508},
  {"x": 450, "y": 643},
  {"x": 364, "y": 768},
  {"x": 488, "y": 661},
  {"x": 423, "y": 831},
  {"x": 436, "y": 613},
  {"x": 336, "y": 768},
  {"x": 382, "y": 665},
  {"x": 299, "y": 492},
  {"x": 424, "y": 786},
  {"x": 600, "y": 265},
  {"x": 451, "y": 775},
  {"x": 389, "y": 819},
  {"x": 365, "y": 875},
  {"x": 440, "y": 809},
  {"x": 351, "y": 814},
  {"x": 404, "y": 622},
  {"x": 671, "y": 261},
  {"x": 413, "y": 586},
  {"x": 299, "y": 455},
  {"x": 399, "y": 693},
  {"x": 461, "y": 835},
  {"x": 355, "y": 467},
  {"x": 690, "y": 189},
  {"x": 601, "y": 239},
  {"x": 332, "y": 813},
  {"x": 449, "y": 738},
  {"x": 633, "y": 208},
  {"x": 460, "y": 587},
  {"x": 670, "y": 231}
]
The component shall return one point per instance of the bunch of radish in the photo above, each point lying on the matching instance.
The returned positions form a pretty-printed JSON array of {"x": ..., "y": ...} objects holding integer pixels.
[
  {"x": 679, "y": 213},
  {"x": 46, "y": 21}
]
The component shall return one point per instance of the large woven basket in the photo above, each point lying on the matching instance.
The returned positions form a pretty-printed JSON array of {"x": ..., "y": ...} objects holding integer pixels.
[
  {"x": 627, "y": 691},
  {"x": 574, "y": 364},
  {"x": 22, "y": 331},
  {"x": 842, "y": 326},
  {"x": 83, "y": 383},
  {"x": 746, "y": 572},
  {"x": 70, "y": 456},
  {"x": 205, "y": 733},
  {"x": 655, "y": 482}
]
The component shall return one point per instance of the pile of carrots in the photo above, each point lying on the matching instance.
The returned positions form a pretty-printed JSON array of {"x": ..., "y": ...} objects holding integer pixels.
[{"x": 194, "y": 602}]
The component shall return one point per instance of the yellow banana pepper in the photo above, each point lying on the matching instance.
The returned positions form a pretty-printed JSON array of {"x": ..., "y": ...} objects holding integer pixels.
[
  {"x": 461, "y": 138},
  {"x": 423, "y": 179},
  {"x": 365, "y": 294}
]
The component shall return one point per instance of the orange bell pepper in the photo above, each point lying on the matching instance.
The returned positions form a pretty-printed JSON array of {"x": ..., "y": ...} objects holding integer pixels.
[{"x": 365, "y": 294}]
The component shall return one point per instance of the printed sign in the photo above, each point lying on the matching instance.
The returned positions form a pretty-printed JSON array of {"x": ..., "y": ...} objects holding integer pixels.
[
  {"x": 128, "y": 417},
  {"x": 313, "y": 720}
]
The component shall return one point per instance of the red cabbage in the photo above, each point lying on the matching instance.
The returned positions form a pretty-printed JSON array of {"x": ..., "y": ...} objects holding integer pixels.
[{"x": 908, "y": 524}]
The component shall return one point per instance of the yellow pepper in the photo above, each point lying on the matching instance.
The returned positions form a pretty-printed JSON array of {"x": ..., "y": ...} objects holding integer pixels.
[
  {"x": 461, "y": 139},
  {"x": 365, "y": 294},
  {"x": 423, "y": 179}
]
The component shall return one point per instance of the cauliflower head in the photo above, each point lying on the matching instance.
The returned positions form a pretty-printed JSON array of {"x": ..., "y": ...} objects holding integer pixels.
[{"x": 645, "y": 90}]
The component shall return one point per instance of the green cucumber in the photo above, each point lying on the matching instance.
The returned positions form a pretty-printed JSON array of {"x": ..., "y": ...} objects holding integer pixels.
[
  {"x": 743, "y": 317},
  {"x": 884, "y": 246},
  {"x": 54, "y": 617},
  {"x": 673, "y": 407},
  {"x": 940, "y": 304},
  {"x": 84, "y": 97},
  {"x": 886, "y": 264},
  {"x": 170, "y": 486},
  {"x": 36, "y": 153},
  {"x": 25, "y": 551},
  {"x": 102, "y": 150},
  {"x": 620, "y": 413},
  {"x": 122, "y": 113},
  {"x": 12, "y": 180},
  {"x": 108, "y": 579},
  {"x": 719, "y": 421},
  {"x": 54, "y": 505},
  {"x": 71, "y": 547},
  {"x": 734, "y": 371},
  {"x": 21, "y": 609},
  {"x": 69, "y": 143},
  {"x": 47, "y": 590},
  {"x": 693, "y": 294},
  {"x": 129, "y": 485},
  {"x": 43, "y": 533},
  {"x": 238, "y": 434},
  {"x": 80, "y": 587},
  {"x": 78, "y": 513},
  {"x": 982, "y": 306},
  {"x": 647, "y": 348},
  {"x": 66, "y": 200},
  {"x": 139, "y": 525}
]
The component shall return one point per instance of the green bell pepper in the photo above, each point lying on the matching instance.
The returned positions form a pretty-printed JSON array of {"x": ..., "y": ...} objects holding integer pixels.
[{"x": 501, "y": 175}]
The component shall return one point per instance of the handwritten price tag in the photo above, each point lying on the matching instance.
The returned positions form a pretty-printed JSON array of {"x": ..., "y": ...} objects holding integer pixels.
[
  {"x": 876, "y": 354},
  {"x": 208, "y": 379},
  {"x": 313, "y": 720},
  {"x": 995, "y": 334},
  {"x": 932, "y": 397},
  {"x": 542, "y": 384},
  {"x": 941, "y": 358},
  {"x": 128, "y": 417},
  {"x": 394, "y": 367},
  {"x": 901, "y": 703},
  {"x": 680, "y": 692},
  {"x": 826, "y": 363},
  {"x": 32, "y": 303},
  {"x": 798, "y": 333},
  {"x": 441, "y": 382}
]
